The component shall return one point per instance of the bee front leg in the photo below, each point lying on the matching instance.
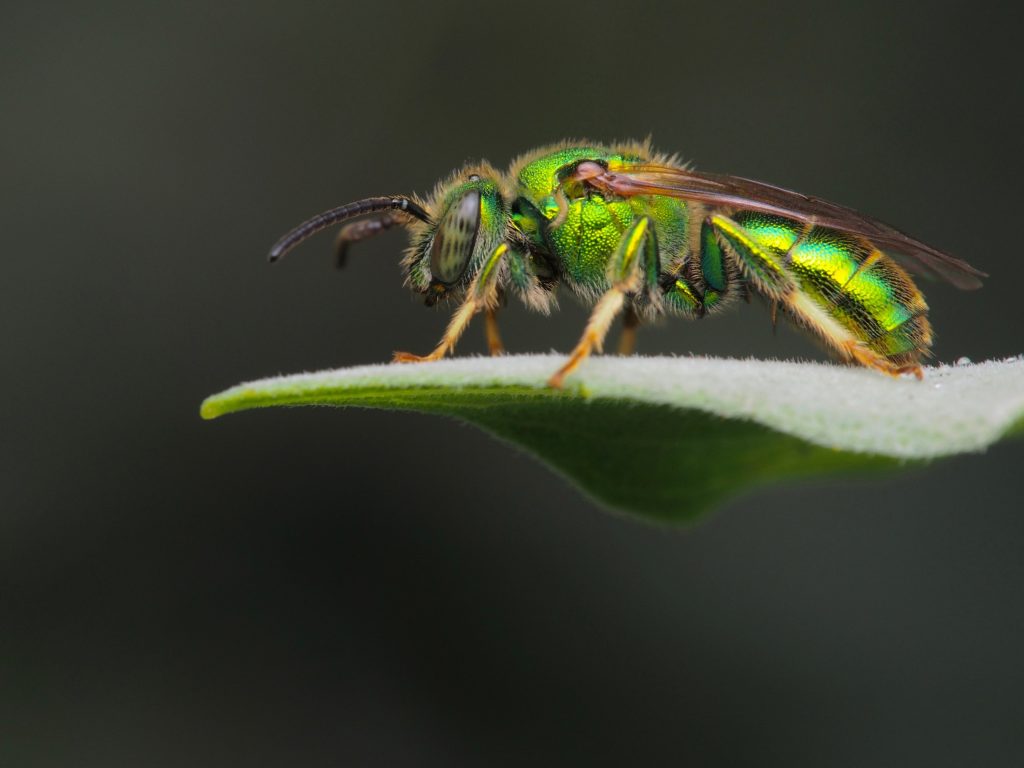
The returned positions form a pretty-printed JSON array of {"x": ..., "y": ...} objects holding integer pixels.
[
  {"x": 632, "y": 268},
  {"x": 456, "y": 326},
  {"x": 482, "y": 295}
]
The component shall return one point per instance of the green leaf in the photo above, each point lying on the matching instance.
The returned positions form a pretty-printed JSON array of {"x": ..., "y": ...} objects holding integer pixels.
[{"x": 668, "y": 438}]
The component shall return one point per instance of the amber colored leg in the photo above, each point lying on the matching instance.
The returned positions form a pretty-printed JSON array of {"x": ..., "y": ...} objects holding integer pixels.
[
  {"x": 456, "y": 327},
  {"x": 627, "y": 339},
  {"x": 593, "y": 336},
  {"x": 626, "y": 271},
  {"x": 869, "y": 359},
  {"x": 494, "y": 344},
  {"x": 482, "y": 295}
]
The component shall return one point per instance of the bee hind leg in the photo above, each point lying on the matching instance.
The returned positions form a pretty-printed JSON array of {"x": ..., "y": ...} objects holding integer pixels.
[
  {"x": 758, "y": 265},
  {"x": 861, "y": 354}
]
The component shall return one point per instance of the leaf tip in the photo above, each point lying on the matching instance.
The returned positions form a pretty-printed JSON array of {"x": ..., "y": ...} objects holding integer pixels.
[{"x": 211, "y": 408}]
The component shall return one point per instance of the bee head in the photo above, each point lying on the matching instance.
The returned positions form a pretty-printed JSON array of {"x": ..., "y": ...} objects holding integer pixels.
[
  {"x": 469, "y": 220},
  {"x": 453, "y": 232}
]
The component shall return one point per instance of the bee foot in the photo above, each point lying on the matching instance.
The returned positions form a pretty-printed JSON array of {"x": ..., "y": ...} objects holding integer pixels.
[
  {"x": 408, "y": 357},
  {"x": 915, "y": 370}
]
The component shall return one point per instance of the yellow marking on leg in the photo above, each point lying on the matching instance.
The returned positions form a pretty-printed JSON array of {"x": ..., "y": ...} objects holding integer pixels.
[
  {"x": 682, "y": 287},
  {"x": 488, "y": 272},
  {"x": 756, "y": 263},
  {"x": 633, "y": 248},
  {"x": 740, "y": 234}
]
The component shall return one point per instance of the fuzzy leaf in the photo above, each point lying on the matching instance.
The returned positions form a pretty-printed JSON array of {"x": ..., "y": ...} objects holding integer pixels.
[{"x": 670, "y": 437}]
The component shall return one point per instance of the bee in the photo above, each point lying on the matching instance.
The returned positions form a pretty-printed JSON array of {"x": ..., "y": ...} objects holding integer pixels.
[{"x": 636, "y": 233}]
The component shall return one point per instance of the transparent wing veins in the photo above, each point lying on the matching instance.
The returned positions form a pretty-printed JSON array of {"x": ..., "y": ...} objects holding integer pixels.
[{"x": 747, "y": 194}]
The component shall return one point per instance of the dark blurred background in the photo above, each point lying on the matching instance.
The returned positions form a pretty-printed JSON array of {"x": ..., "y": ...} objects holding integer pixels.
[{"x": 295, "y": 587}]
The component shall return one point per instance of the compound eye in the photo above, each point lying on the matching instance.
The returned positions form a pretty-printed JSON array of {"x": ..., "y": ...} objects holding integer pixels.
[{"x": 454, "y": 240}]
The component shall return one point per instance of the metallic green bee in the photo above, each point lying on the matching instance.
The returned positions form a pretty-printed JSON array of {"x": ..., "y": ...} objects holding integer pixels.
[{"x": 634, "y": 232}]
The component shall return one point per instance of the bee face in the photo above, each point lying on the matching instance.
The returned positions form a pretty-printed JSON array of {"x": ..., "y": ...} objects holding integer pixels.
[{"x": 469, "y": 221}]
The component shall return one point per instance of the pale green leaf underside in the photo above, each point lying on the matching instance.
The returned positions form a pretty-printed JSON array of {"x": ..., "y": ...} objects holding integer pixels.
[{"x": 669, "y": 437}]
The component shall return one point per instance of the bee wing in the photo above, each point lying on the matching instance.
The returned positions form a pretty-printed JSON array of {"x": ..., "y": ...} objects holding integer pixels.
[{"x": 747, "y": 194}]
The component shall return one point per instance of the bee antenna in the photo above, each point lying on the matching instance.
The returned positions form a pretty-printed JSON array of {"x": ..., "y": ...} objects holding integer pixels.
[{"x": 335, "y": 215}]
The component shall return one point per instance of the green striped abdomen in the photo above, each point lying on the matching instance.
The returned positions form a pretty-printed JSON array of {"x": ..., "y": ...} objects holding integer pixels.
[{"x": 864, "y": 291}]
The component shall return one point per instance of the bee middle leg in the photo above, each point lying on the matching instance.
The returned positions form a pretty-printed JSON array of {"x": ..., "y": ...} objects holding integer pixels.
[{"x": 632, "y": 269}]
